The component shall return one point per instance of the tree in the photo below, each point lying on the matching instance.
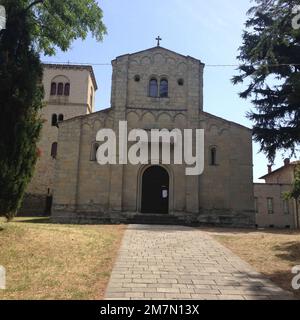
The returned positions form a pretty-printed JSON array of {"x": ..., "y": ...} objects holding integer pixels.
[
  {"x": 295, "y": 192},
  {"x": 33, "y": 27},
  {"x": 270, "y": 64}
]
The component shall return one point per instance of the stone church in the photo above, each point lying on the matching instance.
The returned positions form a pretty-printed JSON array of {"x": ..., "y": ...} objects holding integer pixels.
[{"x": 152, "y": 89}]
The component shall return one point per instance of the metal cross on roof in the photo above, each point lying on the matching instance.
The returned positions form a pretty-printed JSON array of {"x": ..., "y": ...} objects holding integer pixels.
[{"x": 158, "y": 40}]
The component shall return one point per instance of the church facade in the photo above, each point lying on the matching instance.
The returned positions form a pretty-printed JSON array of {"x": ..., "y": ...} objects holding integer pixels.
[{"x": 154, "y": 89}]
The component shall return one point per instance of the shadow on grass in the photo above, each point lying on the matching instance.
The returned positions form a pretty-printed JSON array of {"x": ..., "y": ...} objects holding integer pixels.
[
  {"x": 289, "y": 251},
  {"x": 245, "y": 231},
  {"x": 283, "y": 279},
  {"x": 48, "y": 220}
]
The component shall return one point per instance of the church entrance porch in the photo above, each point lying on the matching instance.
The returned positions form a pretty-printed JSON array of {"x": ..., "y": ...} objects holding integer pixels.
[{"x": 155, "y": 191}]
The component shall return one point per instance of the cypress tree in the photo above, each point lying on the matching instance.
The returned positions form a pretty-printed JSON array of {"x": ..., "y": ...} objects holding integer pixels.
[{"x": 33, "y": 27}]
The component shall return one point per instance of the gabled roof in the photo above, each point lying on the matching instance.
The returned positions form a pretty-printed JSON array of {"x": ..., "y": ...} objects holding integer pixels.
[
  {"x": 292, "y": 164},
  {"x": 225, "y": 120},
  {"x": 163, "y": 49},
  {"x": 75, "y": 67}
]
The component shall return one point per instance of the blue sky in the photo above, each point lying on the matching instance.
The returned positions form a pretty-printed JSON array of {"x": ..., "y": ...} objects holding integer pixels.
[{"x": 207, "y": 30}]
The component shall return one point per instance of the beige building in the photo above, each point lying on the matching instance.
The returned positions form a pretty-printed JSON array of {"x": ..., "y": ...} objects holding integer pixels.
[
  {"x": 272, "y": 209},
  {"x": 151, "y": 89},
  {"x": 69, "y": 92}
]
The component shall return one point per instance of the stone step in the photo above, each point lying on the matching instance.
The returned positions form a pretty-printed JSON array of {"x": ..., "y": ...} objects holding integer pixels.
[{"x": 155, "y": 219}]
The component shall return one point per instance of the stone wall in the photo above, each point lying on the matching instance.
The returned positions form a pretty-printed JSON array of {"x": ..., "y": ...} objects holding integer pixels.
[
  {"x": 158, "y": 63},
  {"x": 35, "y": 205},
  {"x": 83, "y": 187}
]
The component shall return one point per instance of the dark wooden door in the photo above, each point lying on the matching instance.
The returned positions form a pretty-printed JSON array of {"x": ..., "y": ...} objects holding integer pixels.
[{"x": 155, "y": 190}]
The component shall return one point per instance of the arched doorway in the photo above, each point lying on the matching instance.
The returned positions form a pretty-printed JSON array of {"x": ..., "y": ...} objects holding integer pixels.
[{"x": 155, "y": 190}]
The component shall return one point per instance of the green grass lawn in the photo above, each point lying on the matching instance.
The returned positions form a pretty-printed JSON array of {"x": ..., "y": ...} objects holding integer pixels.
[{"x": 52, "y": 261}]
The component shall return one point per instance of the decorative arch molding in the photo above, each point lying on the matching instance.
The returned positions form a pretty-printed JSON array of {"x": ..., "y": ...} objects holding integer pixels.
[
  {"x": 217, "y": 129},
  {"x": 214, "y": 129},
  {"x": 153, "y": 76},
  {"x": 159, "y": 57},
  {"x": 109, "y": 122},
  {"x": 182, "y": 67},
  {"x": 224, "y": 131},
  {"x": 59, "y": 78},
  {"x": 145, "y": 60},
  {"x": 86, "y": 127},
  {"x": 133, "y": 118},
  {"x": 163, "y": 77},
  {"x": 171, "y": 60},
  {"x": 179, "y": 119},
  {"x": 140, "y": 173},
  {"x": 179, "y": 115},
  {"x": 135, "y": 62},
  {"x": 148, "y": 114},
  {"x": 129, "y": 113},
  {"x": 164, "y": 114},
  {"x": 97, "y": 124}
]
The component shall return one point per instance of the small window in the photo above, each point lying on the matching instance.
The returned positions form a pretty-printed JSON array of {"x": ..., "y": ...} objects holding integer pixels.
[
  {"x": 270, "y": 205},
  {"x": 164, "y": 88},
  {"x": 256, "y": 204},
  {"x": 286, "y": 208},
  {"x": 67, "y": 89},
  {"x": 180, "y": 82},
  {"x": 95, "y": 147},
  {"x": 54, "y": 120},
  {"x": 153, "y": 88},
  {"x": 137, "y": 78},
  {"x": 54, "y": 150},
  {"x": 60, "y": 89},
  {"x": 60, "y": 118},
  {"x": 91, "y": 98},
  {"x": 53, "y": 89},
  {"x": 213, "y": 156}
]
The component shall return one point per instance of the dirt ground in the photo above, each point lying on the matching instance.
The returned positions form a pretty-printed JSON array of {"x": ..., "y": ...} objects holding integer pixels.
[
  {"x": 51, "y": 261},
  {"x": 272, "y": 252}
]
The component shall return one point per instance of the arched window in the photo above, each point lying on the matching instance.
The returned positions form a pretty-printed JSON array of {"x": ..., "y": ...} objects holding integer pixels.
[
  {"x": 60, "y": 89},
  {"x": 213, "y": 156},
  {"x": 67, "y": 89},
  {"x": 54, "y": 150},
  {"x": 53, "y": 89},
  {"x": 164, "y": 88},
  {"x": 153, "y": 88},
  {"x": 54, "y": 120},
  {"x": 60, "y": 118},
  {"x": 94, "y": 150}
]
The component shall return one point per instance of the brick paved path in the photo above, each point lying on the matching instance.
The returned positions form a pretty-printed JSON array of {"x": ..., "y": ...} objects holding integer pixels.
[{"x": 171, "y": 262}]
